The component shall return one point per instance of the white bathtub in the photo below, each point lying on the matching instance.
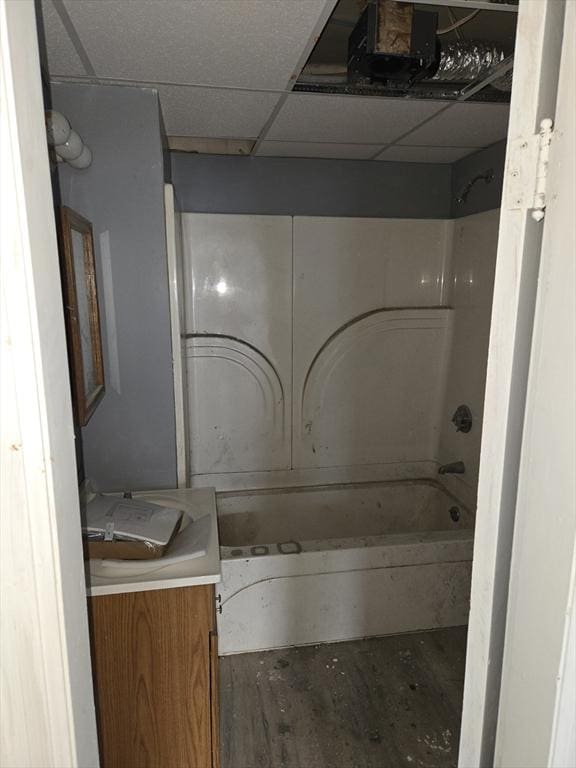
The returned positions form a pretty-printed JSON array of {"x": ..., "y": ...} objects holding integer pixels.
[{"x": 331, "y": 563}]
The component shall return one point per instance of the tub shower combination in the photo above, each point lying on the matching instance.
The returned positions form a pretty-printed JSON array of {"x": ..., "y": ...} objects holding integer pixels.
[
  {"x": 310, "y": 565},
  {"x": 325, "y": 359}
]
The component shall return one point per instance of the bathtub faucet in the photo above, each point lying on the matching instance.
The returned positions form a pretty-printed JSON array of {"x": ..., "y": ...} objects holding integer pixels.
[{"x": 456, "y": 468}]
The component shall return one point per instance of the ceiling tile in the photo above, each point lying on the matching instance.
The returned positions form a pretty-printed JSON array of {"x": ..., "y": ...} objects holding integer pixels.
[
  {"x": 403, "y": 154},
  {"x": 58, "y": 53},
  {"x": 342, "y": 119},
  {"x": 209, "y": 112},
  {"x": 463, "y": 125},
  {"x": 316, "y": 149},
  {"x": 251, "y": 43}
]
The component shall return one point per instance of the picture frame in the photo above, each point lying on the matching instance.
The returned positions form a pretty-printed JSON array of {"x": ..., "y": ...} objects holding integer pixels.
[{"x": 81, "y": 313}]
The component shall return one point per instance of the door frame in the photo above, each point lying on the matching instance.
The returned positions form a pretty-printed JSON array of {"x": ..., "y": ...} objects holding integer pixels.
[
  {"x": 47, "y": 714},
  {"x": 537, "y": 712},
  {"x": 535, "y": 84},
  {"x": 46, "y": 672},
  {"x": 176, "y": 287}
]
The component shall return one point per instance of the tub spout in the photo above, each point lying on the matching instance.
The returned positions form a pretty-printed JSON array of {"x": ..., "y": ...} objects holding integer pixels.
[{"x": 456, "y": 468}]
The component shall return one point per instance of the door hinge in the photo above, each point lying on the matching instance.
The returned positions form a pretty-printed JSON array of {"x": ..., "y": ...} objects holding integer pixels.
[{"x": 527, "y": 172}]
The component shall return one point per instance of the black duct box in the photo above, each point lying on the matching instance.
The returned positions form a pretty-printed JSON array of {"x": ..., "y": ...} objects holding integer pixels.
[{"x": 368, "y": 61}]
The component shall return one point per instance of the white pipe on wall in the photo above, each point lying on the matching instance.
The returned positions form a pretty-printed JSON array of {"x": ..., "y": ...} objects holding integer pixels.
[{"x": 68, "y": 145}]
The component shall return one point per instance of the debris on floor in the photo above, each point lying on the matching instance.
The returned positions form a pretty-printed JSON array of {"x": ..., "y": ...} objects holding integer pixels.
[{"x": 378, "y": 703}]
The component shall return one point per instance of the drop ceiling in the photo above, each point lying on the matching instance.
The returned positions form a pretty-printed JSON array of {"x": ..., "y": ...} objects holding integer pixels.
[{"x": 225, "y": 69}]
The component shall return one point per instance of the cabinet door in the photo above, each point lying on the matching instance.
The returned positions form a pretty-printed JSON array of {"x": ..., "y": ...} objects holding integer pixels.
[{"x": 152, "y": 672}]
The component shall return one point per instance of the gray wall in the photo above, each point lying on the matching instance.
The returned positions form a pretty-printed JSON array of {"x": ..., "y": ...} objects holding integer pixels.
[
  {"x": 130, "y": 440},
  {"x": 308, "y": 187},
  {"x": 482, "y": 196},
  {"x": 305, "y": 187}
]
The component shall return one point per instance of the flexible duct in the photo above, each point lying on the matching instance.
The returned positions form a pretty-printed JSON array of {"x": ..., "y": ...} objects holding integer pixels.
[{"x": 467, "y": 60}]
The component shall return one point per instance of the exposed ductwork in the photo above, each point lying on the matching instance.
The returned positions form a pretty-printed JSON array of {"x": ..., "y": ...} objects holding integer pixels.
[
  {"x": 467, "y": 60},
  {"x": 397, "y": 49},
  {"x": 393, "y": 43}
]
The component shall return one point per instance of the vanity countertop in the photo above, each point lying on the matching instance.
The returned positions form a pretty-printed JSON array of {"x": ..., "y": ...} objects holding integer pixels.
[{"x": 197, "y": 503}]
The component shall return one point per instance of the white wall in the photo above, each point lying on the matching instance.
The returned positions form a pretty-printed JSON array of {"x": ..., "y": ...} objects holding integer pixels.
[
  {"x": 321, "y": 343},
  {"x": 238, "y": 272},
  {"x": 370, "y": 344},
  {"x": 470, "y": 287}
]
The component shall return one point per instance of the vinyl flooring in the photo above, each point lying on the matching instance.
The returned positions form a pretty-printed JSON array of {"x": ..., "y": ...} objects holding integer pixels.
[{"x": 378, "y": 703}]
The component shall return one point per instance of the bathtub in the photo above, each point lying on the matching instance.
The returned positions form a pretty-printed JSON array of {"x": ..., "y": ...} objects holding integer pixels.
[{"x": 340, "y": 562}]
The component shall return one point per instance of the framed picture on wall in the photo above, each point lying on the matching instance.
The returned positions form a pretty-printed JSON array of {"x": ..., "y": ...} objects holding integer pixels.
[{"x": 81, "y": 311}]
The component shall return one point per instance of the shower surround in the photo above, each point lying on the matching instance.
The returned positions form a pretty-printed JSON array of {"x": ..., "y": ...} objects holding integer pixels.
[{"x": 324, "y": 358}]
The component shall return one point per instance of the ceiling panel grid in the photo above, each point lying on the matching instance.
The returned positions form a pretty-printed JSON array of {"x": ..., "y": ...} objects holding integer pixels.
[
  {"x": 247, "y": 44},
  {"x": 224, "y": 70},
  {"x": 463, "y": 125},
  {"x": 342, "y": 119},
  {"x": 212, "y": 112},
  {"x": 61, "y": 57}
]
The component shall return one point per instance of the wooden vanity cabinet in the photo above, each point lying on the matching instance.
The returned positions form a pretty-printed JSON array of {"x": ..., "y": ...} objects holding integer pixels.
[{"x": 155, "y": 664}]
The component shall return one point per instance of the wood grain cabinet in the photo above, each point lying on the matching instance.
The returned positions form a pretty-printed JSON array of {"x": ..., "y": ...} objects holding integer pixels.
[{"x": 155, "y": 662}]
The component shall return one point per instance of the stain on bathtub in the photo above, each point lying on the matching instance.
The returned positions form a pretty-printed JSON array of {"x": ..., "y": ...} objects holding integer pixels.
[{"x": 289, "y": 547}]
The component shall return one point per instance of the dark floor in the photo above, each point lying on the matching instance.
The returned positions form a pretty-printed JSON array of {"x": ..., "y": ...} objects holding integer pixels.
[{"x": 379, "y": 703}]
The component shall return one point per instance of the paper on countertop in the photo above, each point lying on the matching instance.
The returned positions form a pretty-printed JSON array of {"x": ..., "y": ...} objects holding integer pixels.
[
  {"x": 190, "y": 542},
  {"x": 131, "y": 519}
]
